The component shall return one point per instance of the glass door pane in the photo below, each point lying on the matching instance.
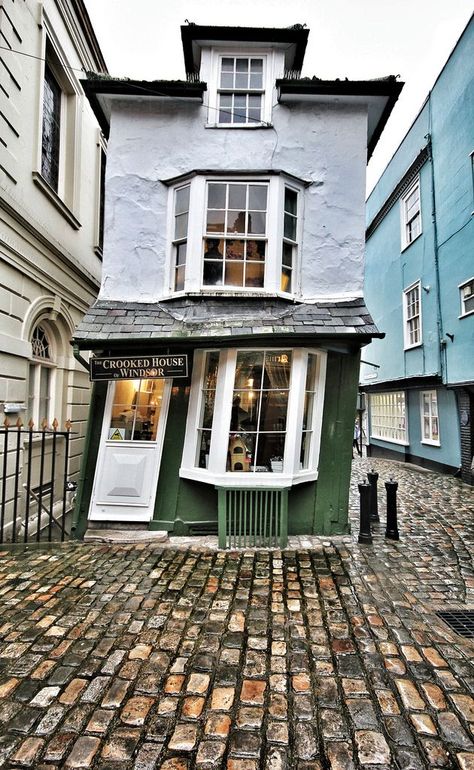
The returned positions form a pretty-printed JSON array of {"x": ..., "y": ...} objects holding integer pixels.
[{"x": 136, "y": 410}]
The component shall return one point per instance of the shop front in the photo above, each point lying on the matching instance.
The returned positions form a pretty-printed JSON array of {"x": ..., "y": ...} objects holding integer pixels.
[{"x": 194, "y": 410}]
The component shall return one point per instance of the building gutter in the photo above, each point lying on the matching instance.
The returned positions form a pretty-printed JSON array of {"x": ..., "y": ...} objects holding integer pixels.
[{"x": 77, "y": 355}]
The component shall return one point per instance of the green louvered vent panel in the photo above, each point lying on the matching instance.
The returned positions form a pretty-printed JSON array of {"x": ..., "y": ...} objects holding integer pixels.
[{"x": 253, "y": 518}]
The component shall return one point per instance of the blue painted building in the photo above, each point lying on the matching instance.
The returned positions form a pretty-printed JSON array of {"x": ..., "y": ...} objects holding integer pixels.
[{"x": 419, "y": 283}]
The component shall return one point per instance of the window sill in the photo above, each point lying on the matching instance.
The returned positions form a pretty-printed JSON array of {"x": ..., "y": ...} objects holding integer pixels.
[
  {"x": 427, "y": 442},
  {"x": 245, "y": 126},
  {"x": 412, "y": 347},
  {"x": 212, "y": 291},
  {"x": 56, "y": 200},
  {"x": 406, "y": 246},
  {"x": 248, "y": 480},
  {"x": 390, "y": 440},
  {"x": 464, "y": 315}
]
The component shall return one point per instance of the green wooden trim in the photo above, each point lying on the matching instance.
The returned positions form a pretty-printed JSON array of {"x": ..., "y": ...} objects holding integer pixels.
[
  {"x": 89, "y": 460},
  {"x": 166, "y": 501},
  {"x": 256, "y": 513},
  {"x": 221, "y": 516},
  {"x": 332, "y": 489},
  {"x": 284, "y": 519}
]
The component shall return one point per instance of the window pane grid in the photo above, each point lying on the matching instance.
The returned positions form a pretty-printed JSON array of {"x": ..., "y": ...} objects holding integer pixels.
[
  {"x": 388, "y": 416},
  {"x": 208, "y": 396},
  {"x": 181, "y": 217},
  {"x": 289, "y": 245},
  {"x": 240, "y": 90},
  {"x": 430, "y": 421},
  {"x": 412, "y": 314},
  {"x": 467, "y": 297},
  {"x": 309, "y": 403},
  {"x": 412, "y": 215},
  {"x": 259, "y": 411},
  {"x": 239, "y": 208},
  {"x": 51, "y": 129}
]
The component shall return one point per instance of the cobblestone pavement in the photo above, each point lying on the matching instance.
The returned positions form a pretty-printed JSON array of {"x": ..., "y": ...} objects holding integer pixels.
[{"x": 326, "y": 655}]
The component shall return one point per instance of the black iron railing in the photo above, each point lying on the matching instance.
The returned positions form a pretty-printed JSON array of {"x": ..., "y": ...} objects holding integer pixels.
[{"x": 36, "y": 494}]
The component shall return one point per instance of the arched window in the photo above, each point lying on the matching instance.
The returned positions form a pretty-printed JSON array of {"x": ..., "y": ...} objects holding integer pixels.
[{"x": 41, "y": 376}]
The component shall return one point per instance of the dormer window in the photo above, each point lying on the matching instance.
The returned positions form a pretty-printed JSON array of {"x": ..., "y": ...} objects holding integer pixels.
[
  {"x": 240, "y": 87},
  {"x": 240, "y": 90},
  {"x": 235, "y": 234}
]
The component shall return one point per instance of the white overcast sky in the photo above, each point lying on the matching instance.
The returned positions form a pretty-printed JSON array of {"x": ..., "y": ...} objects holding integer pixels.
[{"x": 348, "y": 38}]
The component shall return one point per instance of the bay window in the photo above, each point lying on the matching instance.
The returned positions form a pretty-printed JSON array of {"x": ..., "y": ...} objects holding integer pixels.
[
  {"x": 243, "y": 238},
  {"x": 254, "y": 417}
]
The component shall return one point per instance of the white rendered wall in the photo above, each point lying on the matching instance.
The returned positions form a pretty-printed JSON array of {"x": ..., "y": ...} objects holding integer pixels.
[{"x": 154, "y": 140}]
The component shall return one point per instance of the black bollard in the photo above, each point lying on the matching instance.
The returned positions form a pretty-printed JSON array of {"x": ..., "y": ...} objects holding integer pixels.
[
  {"x": 374, "y": 509},
  {"x": 392, "y": 529},
  {"x": 365, "y": 533}
]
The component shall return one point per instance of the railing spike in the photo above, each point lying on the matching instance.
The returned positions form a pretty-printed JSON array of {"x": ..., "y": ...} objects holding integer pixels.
[
  {"x": 19, "y": 423},
  {"x": 31, "y": 424},
  {"x": 55, "y": 424},
  {"x": 68, "y": 425},
  {"x": 44, "y": 423},
  {"x": 6, "y": 423}
]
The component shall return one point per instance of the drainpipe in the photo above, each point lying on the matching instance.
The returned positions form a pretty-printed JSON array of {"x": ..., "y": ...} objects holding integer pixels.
[
  {"x": 442, "y": 359},
  {"x": 80, "y": 486},
  {"x": 77, "y": 355}
]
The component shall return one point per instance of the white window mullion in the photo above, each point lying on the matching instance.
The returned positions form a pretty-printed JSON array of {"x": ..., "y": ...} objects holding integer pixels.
[
  {"x": 196, "y": 225},
  {"x": 194, "y": 411},
  {"x": 294, "y": 417},
  {"x": 274, "y": 235},
  {"x": 222, "y": 412},
  {"x": 318, "y": 408}
]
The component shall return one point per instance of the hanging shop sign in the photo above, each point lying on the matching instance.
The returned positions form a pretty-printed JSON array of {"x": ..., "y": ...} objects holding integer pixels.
[{"x": 136, "y": 367}]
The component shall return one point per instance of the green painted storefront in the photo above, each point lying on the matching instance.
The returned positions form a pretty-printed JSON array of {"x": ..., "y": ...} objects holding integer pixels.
[{"x": 185, "y": 506}]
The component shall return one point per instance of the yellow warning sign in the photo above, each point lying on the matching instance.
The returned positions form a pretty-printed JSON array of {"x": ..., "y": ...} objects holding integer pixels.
[{"x": 116, "y": 434}]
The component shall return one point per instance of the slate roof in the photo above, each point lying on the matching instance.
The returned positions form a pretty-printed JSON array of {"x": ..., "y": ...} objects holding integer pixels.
[{"x": 205, "y": 318}]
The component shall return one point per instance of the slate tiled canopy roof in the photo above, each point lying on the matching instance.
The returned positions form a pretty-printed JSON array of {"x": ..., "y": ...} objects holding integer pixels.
[{"x": 198, "y": 318}]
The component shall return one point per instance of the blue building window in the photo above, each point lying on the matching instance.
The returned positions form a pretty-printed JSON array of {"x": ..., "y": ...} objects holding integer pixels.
[{"x": 411, "y": 215}]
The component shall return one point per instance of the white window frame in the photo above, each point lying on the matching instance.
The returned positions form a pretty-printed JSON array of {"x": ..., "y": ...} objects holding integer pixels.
[
  {"x": 36, "y": 367},
  {"x": 392, "y": 409},
  {"x": 217, "y": 54},
  {"x": 462, "y": 286},
  {"x": 101, "y": 158},
  {"x": 409, "y": 317},
  {"x": 216, "y": 472},
  {"x": 406, "y": 238},
  {"x": 245, "y": 236},
  {"x": 293, "y": 244},
  {"x": 433, "y": 398},
  {"x": 66, "y": 197},
  {"x": 274, "y": 236}
]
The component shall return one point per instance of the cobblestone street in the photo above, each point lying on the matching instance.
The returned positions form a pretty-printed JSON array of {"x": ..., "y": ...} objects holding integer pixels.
[{"x": 326, "y": 655}]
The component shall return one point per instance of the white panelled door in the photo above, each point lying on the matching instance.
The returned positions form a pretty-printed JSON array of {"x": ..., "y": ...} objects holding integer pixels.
[{"x": 130, "y": 450}]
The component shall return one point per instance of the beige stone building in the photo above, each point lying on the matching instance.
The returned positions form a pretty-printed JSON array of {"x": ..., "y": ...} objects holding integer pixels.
[{"x": 52, "y": 162}]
